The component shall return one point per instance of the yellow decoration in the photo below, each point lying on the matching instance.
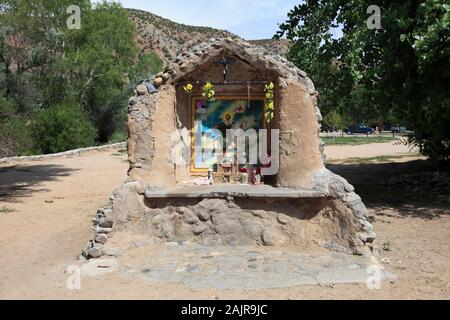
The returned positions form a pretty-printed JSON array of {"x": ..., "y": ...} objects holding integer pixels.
[
  {"x": 208, "y": 91},
  {"x": 269, "y": 105},
  {"x": 188, "y": 88}
]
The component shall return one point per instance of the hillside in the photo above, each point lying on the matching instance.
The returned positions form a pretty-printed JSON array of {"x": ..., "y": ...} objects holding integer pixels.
[{"x": 168, "y": 38}]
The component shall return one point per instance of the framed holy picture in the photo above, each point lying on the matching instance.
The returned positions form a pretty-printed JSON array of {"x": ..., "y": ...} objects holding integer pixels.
[{"x": 226, "y": 112}]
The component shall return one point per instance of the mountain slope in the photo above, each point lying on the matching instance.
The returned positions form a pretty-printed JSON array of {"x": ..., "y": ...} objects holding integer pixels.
[{"x": 168, "y": 38}]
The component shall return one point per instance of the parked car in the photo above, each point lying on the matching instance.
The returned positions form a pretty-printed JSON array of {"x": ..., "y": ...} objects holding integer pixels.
[
  {"x": 359, "y": 129},
  {"x": 325, "y": 128},
  {"x": 398, "y": 129}
]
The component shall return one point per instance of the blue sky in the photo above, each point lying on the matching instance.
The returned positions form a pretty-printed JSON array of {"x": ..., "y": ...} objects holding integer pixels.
[{"x": 249, "y": 19}]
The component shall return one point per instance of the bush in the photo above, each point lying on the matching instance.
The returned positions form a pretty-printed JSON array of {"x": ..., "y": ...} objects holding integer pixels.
[
  {"x": 14, "y": 131},
  {"x": 62, "y": 127},
  {"x": 15, "y": 137},
  {"x": 118, "y": 136}
]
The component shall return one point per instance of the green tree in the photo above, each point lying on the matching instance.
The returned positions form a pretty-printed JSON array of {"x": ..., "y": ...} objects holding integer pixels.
[
  {"x": 334, "y": 120},
  {"x": 96, "y": 61},
  {"x": 400, "y": 70},
  {"x": 32, "y": 39},
  {"x": 428, "y": 109},
  {"x": 44, "y": 65}
]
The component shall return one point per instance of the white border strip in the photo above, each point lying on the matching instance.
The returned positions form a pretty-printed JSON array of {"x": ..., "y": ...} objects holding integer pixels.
[{"x": 69, "y": 153}]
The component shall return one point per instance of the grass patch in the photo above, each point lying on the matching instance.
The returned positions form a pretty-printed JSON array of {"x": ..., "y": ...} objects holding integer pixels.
[
  {"x": 120, "y": 153},
  {"x": 377, "y": 159},
  {"x": 5, "y": 210},
  {"x": 357, "y": 140}
]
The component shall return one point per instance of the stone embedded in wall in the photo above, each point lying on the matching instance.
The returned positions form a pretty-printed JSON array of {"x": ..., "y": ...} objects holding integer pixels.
[
  {"x": 93, "y": 250},
  {"x": 141, "y": 90},
  {"x": 158, "y": 82},
  {"x": 101, "y": 238}
]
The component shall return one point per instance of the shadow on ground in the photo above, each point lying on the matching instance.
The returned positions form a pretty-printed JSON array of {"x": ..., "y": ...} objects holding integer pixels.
[
  {"x": 373, "y": 182},
  {"x": 19, "y": 181}
]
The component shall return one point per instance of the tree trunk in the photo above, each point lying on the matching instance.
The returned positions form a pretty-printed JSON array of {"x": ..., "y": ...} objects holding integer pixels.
[{"x": 380, "y": 123}]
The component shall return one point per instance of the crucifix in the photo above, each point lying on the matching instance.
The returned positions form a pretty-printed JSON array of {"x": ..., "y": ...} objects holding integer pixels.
[{"x": 225, "y": 62}]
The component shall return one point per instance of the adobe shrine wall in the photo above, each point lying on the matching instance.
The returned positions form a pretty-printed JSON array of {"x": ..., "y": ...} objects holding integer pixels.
[
  {"x": 154, "y": 115},
  {"x": 151, "y": 123},
  {"x": 154, "y": 118},
  {"x": 301, "y": 155},
  {"x": 337, "y": 220}
]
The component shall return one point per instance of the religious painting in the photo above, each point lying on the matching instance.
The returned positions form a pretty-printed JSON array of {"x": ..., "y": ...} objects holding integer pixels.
[{"x": 222, "y": 114}]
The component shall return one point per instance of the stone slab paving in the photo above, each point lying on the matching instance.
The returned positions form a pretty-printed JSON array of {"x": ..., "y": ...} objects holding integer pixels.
[{"x": 240, "y": 267}]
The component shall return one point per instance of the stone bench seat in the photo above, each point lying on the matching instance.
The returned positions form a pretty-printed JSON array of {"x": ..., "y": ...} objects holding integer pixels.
[{"x": 234, "y": 191}]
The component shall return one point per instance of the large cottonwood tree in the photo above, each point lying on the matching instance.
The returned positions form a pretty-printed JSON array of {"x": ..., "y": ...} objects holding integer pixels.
[
  {"x": 47, "y": 68},
  {"x": 400, "y": 71}
]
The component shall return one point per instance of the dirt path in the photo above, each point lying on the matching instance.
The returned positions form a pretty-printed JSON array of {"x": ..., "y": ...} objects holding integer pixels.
[
  {"x": 391, "y": 149},
  {"x": 53, "y": 201}
]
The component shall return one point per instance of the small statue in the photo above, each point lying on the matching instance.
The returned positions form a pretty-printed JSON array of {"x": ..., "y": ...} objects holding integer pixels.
[{"x": 210, "y": 177}]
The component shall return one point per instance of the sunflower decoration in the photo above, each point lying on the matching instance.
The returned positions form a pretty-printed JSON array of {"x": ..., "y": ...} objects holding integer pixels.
[
  {"x": 208, "y": 91},
  {"x": 227, "y": 118},
  {"x": 269, "y": 105},
  {"x": 188, "y": 88}
]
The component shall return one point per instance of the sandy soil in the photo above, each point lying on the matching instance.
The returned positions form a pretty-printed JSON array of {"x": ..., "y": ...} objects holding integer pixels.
[
  {"x": 393, "y": 149},
  {"x": 53, "y": 201}
]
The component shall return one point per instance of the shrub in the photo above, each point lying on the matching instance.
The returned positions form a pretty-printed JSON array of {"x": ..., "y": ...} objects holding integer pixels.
[
  {"x": 15, "y": 137},
  {"x": 118, "y": 136},
  {"x": 62, "y": 127},
  {"x": 14, "y": 130}
]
